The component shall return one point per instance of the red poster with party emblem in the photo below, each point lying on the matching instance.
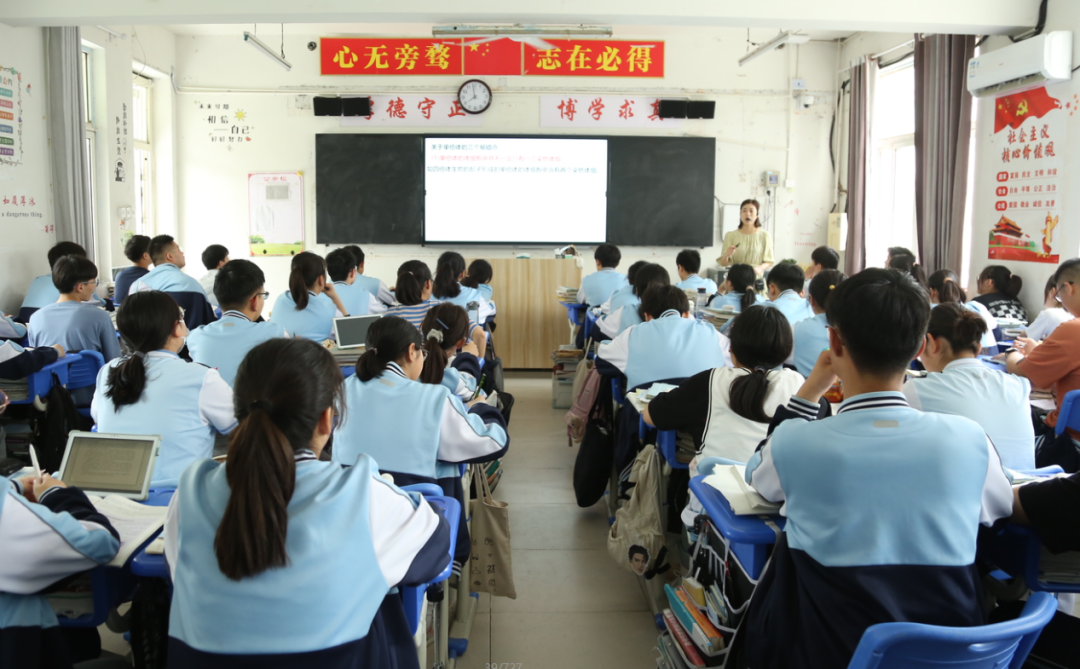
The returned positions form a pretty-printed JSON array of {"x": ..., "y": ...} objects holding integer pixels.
[
  {"x": 595, "y": 58},
  {"x": 395, "y": 56}
]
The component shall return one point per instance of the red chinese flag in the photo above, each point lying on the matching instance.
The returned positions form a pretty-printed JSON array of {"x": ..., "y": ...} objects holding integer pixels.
[
  {"x": 497, "y": 57},
  {"x": 1012, "y": 110}
]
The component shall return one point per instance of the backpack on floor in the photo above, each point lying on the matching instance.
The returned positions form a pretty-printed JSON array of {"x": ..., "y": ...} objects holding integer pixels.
[
  {"x": 596, "y": 453},
  {"x": 578, "y": 416}
]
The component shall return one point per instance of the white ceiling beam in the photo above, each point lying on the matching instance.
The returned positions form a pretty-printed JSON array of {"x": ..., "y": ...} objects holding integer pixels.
[{"x": 930, "y": 16}]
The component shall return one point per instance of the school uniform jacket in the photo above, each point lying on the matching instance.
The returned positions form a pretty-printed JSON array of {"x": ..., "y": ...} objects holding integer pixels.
[
  {"x": 207, "y": 283},
  {"x": 223, "y": 344},
  {"x": 351, "y": 537},
  {"x": 467, "y": 295},
  {"x": 168, "y": 278},
  {"x": 17, "y": 362},
  {"x": 376, "y": 288},
  {"x": 77, "y": 326},
  {"x": 811, "y": 337},
  {"x": 693, "y": 282},
  {"x": 184, "y": 402},
  {"x": 125, "y": 279},
  {"x": 793, "y": 306},
  {"x": 315, "y": 322},
  {"x": 43, "y": 291},
  {"x": 598, "y": 287},
  {"x": 669, "y": 347},
  {"x": 998, "y": 402},
  {"x": 10, "y": 329},
  {"x": 623, "y": 313},
  {"x": 461, "y": 374},
  {"x": 40, "y": 545},
  {"x": 606, "y": 308},
  {"x": 357, "y": 301},
  {"x": 883, "y": 506}
]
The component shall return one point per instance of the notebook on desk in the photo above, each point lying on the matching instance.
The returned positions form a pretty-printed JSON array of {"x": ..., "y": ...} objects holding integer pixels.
[
  {"x": 110, "y": 464},
  {"x": 730, "y": 480}
]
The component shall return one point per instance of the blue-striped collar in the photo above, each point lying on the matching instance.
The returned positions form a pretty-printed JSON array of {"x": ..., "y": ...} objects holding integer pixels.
[
  {"x": 304, "y": 455},
  {"x": 235, "y": 314},
  {"x": 671, "y": 312},
  {"x": 881, "y": 400},
  {"x": 162, "y": 353},
  {"x": 396, "y": 369}
]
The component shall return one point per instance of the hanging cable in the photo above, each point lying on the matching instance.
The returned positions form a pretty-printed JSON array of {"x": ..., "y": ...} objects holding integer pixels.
[
  {"x": 282, "y": 41},
  {"x": 1038, "y": 26}
]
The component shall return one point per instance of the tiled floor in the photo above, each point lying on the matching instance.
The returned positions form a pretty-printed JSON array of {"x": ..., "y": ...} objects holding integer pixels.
[{"x": 574, "y": 607}]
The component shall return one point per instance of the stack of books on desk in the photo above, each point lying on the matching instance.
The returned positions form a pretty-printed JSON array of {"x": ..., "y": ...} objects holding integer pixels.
[
  {"x": 567, "y": 294},
  {"x": 1064, "y": 568}
]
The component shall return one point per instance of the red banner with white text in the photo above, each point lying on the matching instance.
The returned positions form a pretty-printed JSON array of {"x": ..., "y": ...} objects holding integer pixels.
[{"x": 596, "y": 58}]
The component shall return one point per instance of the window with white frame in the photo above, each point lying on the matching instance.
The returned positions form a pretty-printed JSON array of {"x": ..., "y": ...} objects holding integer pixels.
[
  {"x": 891, "y": 183},
  {"x": 87, "y": 64},
  {"x": 140, "y": 121}
]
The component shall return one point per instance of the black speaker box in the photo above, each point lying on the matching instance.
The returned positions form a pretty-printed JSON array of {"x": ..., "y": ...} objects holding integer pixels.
[
  {"x": 358, "y": 106},
  {"x": 328, "y": 106},
  {"x": 673, "y": 108},
  {"x": 701, "y": 109}
]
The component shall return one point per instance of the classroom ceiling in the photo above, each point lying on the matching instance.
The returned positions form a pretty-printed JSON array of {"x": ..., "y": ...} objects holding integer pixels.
[{"x": 955, "y": 16}]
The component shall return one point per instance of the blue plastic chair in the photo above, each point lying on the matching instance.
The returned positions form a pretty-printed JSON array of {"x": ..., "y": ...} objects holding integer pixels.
[
  {"x": 1069, "y": 415},
  {"x": 84, "y": 373},
  {"x": 39, "y": 383},
  {"x": 915, "y": 646},
  {"x": 590, "y": 323},
  {"x": 666, "y": 441}
]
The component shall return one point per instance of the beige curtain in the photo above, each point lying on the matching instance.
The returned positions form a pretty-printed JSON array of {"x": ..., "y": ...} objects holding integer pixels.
[{"x": 863, "y": 78}]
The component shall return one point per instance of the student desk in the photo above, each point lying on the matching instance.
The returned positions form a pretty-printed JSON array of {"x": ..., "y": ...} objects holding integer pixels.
[{"x": 750, "y": 536}]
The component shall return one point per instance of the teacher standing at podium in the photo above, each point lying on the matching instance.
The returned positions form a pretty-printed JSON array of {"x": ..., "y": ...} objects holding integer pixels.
[{"x": 750, "y": 244}]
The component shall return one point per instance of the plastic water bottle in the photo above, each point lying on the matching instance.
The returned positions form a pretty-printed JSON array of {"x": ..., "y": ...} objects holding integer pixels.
[
  {"x": 699, "y": 304},
  {"x": 474, "y": 312}
]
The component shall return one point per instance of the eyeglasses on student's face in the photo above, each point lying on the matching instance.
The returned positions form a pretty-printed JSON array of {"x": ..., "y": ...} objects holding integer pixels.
[
  {"x": 1057, "y": 290},
  {"x": 265, "y": 295}
]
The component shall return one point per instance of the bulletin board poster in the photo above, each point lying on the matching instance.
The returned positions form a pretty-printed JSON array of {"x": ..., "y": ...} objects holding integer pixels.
[
  {"x": 276, "y": 213},
  {"x": 1028, "y": 144},
  {"x": 11, "y": 115}
]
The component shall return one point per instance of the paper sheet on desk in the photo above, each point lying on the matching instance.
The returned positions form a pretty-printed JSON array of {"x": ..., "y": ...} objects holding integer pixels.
[
  {"x": 730, "y": 480},
  {"x": 135, "y": 522}
]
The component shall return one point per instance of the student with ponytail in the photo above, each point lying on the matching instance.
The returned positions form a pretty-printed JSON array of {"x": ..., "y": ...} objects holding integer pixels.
[
  {"x": 446, "y": 330},
  {"x": 738, "y": 290},
  {"x": 449, "y": 272},
  {"x": 1052, "y": 315},
  {"x": 626, "y": 306},
  {"x": 727, "y": 409},
  {"x": 479, "y": 277},
  {"x": 999, "y": 291},
  {"x": 812, "y": 334},
  {"x": 314, "y": 548},
  {"x": 959, "y": 384},
  {"x": 945, "y": 289},
  {"x": 413, "y": 290},
  {"x": 417, "y": 432},
  {"x": 308, "y": 307},
  {"x": 154, "y": 391}
]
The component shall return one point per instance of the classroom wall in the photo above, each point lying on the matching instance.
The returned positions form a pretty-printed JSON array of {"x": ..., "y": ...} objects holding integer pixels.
[
  {"x": 1061, "y": 15},
  {"x": 25, "y": 230},
  {"x": 757, "y": 129}
]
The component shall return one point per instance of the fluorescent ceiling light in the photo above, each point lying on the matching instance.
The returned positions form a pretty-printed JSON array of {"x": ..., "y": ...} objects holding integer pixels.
[
  {"x": 519, "y": 30},
  {"x": 255, "y": 42},
  {"x": 777, "y": 42}
]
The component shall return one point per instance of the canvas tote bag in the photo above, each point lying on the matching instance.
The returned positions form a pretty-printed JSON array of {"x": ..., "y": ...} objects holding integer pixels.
[{"x": 489, "y": 562}]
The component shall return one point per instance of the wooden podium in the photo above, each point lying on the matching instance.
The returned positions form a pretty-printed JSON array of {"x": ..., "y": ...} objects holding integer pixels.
[{"x": 531, "y": 322}]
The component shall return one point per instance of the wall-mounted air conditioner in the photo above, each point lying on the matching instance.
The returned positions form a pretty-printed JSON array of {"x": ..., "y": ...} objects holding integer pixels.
[{"x": 1039, "y": 61}]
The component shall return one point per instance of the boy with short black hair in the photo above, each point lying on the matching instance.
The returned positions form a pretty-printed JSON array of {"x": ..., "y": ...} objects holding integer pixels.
[
  {"x": 376, "y": 287},
  {"x": 785, "y": 283},
  {"x": 213, "y": 257},
  {"x": 823, "y": 258},
  {"x": 342, "y": 268},
  {"x": 883, "y": 502},
  {"x": 167, "y": 275},
  {"x": 137, "y": 250},
  {"x": 598, "y": 287},
  {"x": 240, "y": 289},
  {"x": 42, "y": 291},
  {"x": 688, "y": 263}
]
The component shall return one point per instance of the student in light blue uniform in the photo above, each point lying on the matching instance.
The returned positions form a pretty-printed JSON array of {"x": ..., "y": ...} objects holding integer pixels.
[
  {"x": 10, "y": 328},
  {"x": 785, "y": 283},
  {"x": 371, "y": 284},
  {"x": 48, "y": 533},
  {"x": 739, "y": 290},
  {"x": 308, "y": 308},
  {"x": 341, "y": 266},
  {"x": 447, "y": 287},
  {"x": 17, "y": 362},
  {"x": 961, "y": 385},
  {"x": 627, "y": 290},
  {"x": 945, "y": 288},
  {"x": 154, "y": 391},
  {"x": 417, "y": 432},
  {"x": 811, "y": 334},
  {"x": 281, "y": 560},
  {"x": 668, "y": 345},
  {"x": 167, "y": 275},
  {"x": 479, "y": 276},
  {"x": 414, "y": 287},
  {"x": 43, "y": 291},
  {"x": 883, "y": 502},
  {"x": 214, "y": 258},
  {"x": 688, "y": 262},
  {"x": 71, "y": 322},
  {"x": 598, "y": 287},
  {"x": 445, "y": 331},
  {"x": 626, "y": 306},
  {"x": 240, "y": 289}
]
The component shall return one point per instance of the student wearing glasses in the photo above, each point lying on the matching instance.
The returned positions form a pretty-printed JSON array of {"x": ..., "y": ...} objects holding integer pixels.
[
  {"x": 240, "y": 289},
  {"x": 1055, "y": 364},
  {"x": 70, "y": 321},
  {"x": 42, "y": 291},
  {"x": 154, "y": 391}
]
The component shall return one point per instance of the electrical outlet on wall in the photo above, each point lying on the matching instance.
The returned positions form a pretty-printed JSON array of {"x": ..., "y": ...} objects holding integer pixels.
[{"x": 798, "y": 84}]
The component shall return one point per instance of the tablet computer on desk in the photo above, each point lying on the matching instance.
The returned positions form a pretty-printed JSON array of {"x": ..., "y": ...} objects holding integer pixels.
[
  {"x": 351, "y": 331},
  {"x": 110, "y": 464}
]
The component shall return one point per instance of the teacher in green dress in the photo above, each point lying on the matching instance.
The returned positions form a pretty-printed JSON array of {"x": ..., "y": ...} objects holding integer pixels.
[{"x": 750, "y": 244}]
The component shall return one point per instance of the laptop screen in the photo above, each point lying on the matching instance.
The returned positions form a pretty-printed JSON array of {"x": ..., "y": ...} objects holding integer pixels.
[
  {"x": 107, "y": 464},
  {"x": 352, "y": 331}
]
